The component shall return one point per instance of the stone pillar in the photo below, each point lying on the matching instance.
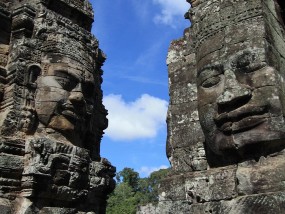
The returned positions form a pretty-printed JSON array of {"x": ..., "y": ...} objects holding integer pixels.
[
  {"x": 226, "y": 128},
  {"x": 51, "y": 112}
]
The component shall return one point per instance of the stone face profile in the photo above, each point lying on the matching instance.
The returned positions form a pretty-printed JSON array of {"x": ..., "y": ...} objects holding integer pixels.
[
  {"x": 226, "y": 130},
  {"x": 51, "y": 112}
]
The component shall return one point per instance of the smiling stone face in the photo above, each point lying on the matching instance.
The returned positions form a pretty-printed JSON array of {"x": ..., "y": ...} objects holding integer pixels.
[
  {"x": 240, "y": 103},
  {"x": 52, "y": 117},
  {"x": 65, "y": 97},
  {"x": 240, "y": 81}
]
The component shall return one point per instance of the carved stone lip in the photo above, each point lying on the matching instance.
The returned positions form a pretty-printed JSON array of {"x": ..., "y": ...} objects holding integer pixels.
[
  {"x": 73, "y": 113},
  {"x": 241, "y": 119},
  {"x": 70, "y": 115},
  {"x": 68, "y": 111}
]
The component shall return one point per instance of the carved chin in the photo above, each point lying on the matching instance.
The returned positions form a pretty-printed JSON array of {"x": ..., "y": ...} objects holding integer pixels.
[{"x": 60, "y": 123}]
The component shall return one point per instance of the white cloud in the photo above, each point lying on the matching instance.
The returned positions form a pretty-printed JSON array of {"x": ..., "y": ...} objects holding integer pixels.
[
  {"x": 145, "y": 171},
  {"x": 135, "y": 120},
  {"x": 172, "y": 11}
]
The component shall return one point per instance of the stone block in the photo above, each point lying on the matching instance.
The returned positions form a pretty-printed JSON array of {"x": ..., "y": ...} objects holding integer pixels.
[
  {"x": 172, "y": 189},
  {"x": 211, "y": 185},
  {"x": 261, "y": 177}
]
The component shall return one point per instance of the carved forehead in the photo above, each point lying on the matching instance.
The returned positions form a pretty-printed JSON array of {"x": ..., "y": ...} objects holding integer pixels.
[
  {"x": 53, "y": 65},
  {"x": 227, "y": 26},
  {"x": 66, "y": 61},
  {"x": 59, "y": 69},
  {"x": 229, "y": 40},
  {"x": 62, "y": 49},
  {"x": 53, "y": 68},
  {"x": 64, "y": 58},
  {"x": 228, "y": 58},
  {"x": 227, "y": 10}
]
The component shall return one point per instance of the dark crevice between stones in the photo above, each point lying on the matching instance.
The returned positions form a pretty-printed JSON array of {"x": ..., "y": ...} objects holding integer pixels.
[{"x": 282, "y": 9}]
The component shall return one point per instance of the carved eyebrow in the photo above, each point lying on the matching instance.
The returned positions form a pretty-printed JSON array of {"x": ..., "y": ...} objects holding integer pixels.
[
  {"x": 217, "y": 67},
  {"x": 68, "y": 73}
]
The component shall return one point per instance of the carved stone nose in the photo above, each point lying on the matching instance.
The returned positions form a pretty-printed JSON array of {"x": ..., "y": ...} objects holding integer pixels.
[
  {"x": 76, "y": 97},
  {"x": 233, "y": 94},
  {"x": 233, "y": 90}
]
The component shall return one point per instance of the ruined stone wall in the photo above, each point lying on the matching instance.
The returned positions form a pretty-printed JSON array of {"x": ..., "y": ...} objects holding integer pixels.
[
  {"x": 51, "y": 112},
  {"x": 226, "y": 115},
  {"x": 185, "y": 137}
]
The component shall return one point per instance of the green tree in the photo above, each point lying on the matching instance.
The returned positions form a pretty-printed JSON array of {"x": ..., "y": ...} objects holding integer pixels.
[
  {"x": 149, "y": 186},
  {"x": 129, "y": 176},
  {"x": 122, "y": 200},
  {"x": 132, "y": 191}
]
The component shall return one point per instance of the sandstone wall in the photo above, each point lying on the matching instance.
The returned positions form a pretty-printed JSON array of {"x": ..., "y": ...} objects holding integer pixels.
[
  {"x": 51, "y": 112},
  {"x": 238, "y": 171}
]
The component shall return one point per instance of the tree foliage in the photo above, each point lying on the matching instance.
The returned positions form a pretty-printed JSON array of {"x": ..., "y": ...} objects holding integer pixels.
[
  {"x": 122, "y": 200},
  {"x": 129, "y": 176},
  {"x": 132, "y": 191}
]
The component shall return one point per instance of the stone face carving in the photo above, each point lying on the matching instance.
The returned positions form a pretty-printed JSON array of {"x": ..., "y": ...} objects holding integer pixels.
[
  {"x": 51, "y": 112},
  {"x": 65, "y": 98},
  {"x": 240, "y": 94},
  {"x": 226, "y": 114},
  {"x": 240, "y": 109}
]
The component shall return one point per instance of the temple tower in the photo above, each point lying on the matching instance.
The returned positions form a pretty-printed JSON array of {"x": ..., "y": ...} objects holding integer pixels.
[
  {"x": 226, "y": 128},
  {"x": 51, "y": 112}
]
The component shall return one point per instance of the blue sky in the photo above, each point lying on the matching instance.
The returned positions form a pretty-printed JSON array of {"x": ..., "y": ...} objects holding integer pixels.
[{"x": 135, "y": 35}]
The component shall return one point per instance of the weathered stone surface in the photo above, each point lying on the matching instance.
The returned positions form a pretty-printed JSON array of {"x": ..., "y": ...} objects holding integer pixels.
[
  {"x": 263, "y": 176},
  {"x": 212, "y": 185},
  {"x": 226, "y": 128},
  {"x": 51, "y": 112},
  {"x": 148, "y": 208},
  {"x": 185, "y": 148},
  {"x": 173, "y": 189}
]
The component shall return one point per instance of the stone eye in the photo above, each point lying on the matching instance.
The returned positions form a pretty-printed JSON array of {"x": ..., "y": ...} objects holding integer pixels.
[
  {"x": 211, "y": 81},
  {"x": 244, "y": 60},
  {"x": 66, "y": 84},
  {"x": 66, "y": 81},
  {"x": 247, "y": 63},
  {"x": 210, "y": 76}
]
